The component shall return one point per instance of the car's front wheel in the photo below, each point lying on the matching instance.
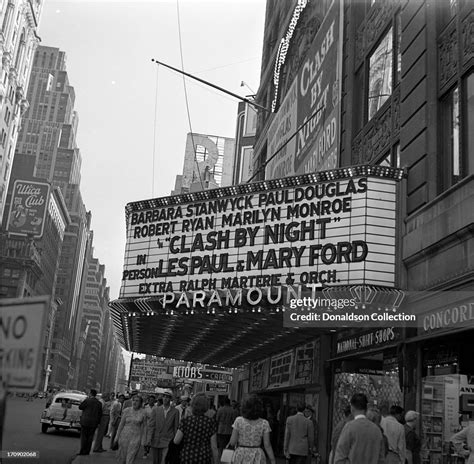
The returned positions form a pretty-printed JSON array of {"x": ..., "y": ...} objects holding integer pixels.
[{"x": 44, "y": 428}]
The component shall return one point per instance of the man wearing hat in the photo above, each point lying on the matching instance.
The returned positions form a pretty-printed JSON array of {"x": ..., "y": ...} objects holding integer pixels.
[
  {"x": 162, "y": 426},
  {"x": 184, "y": 409},
  {"x": 413, "y": 442},
  {"x": 128, "y": 403}
]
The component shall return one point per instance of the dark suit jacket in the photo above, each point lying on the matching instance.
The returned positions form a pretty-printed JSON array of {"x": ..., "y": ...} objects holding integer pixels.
[
  {"x": 91, "y": 412},
  {"x": 299, "y": 435},
  {"x": 360, "y": 442},
  {"x": 162, "y": 430}
]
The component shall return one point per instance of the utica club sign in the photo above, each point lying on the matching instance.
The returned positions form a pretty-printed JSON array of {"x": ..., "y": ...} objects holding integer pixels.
[{"x": 298, "y": 233}]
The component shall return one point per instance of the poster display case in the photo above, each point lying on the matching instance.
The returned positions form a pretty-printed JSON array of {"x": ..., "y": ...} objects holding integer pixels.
[{"x": 442, "y": 417}]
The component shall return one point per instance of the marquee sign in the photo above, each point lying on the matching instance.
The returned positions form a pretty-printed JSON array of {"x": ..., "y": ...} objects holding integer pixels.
[{"x": 336, "y": 232}]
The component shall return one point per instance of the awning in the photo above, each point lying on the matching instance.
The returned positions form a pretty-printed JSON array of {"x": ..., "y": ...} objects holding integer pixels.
[{"x": 228, "y": 337}]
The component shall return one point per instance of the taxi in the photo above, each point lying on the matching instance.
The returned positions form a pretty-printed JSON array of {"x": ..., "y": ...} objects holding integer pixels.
[{"x": 63, "y": 412}]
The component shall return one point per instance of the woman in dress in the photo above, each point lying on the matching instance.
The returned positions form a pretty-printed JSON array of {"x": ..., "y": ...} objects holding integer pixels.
[
  {"x": 198, "y": 435},
  {"x": 131, "y": 433},
  {"x": 249, "y": 431}
]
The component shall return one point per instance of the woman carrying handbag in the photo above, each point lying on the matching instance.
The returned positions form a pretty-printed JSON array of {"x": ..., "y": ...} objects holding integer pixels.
[{"x": 249, "y": 432}]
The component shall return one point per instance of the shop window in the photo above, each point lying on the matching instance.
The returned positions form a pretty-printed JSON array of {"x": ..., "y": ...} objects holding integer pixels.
[{"x": 376, "y": 376}]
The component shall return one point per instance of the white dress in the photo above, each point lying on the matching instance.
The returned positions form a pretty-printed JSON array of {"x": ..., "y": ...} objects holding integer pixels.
[{"x": 250, "y": 439}]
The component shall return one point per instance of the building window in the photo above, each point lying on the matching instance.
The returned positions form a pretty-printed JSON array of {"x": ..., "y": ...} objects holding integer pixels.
[
  {"x": 380, "y": 74},
  {"x": 450, "y": 138},
  {"x": 385, "y": 160},
  {"x": 469, "y": 118},
  {"x": 392, "y": 158},
  {"x": 457, "y": 137}
]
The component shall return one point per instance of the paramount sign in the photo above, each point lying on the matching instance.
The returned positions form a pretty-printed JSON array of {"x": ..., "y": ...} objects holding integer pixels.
[{"x": 265, "y": 243}]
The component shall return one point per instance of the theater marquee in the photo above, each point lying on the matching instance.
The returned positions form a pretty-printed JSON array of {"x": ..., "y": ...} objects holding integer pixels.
[{"x": 330, "y": 228}]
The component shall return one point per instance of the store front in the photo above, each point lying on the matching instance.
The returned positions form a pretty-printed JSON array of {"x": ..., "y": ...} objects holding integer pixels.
[
  {"x": 366, "y": 362},
  {"x": 288, "y": 378},
  {"x": 446, "y": 376}
]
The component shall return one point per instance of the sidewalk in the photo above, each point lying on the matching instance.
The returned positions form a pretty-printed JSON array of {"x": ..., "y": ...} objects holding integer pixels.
[{"x": 110, "y": 457}]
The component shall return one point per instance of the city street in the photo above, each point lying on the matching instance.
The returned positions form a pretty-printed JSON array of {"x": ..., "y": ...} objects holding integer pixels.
[{"x": 23, "y": 433}]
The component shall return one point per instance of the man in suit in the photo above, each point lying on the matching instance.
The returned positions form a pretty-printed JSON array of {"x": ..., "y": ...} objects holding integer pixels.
[
  {"x": 162, "y": 426},
  {"x": 395, "y": 433},
  {"x": 91, "y": 409},
  {"x": 299, "y": 437},
  {"x": 361, "y": 440}
]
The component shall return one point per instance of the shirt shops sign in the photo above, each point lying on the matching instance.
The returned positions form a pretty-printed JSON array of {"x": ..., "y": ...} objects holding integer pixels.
[{"x": 338, "y": 232}]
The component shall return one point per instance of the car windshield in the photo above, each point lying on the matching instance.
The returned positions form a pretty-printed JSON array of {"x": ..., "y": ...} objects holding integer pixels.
[{"x": 68, "y": 401}]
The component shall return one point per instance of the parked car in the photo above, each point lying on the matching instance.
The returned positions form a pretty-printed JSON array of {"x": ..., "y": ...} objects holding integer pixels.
[{"x": 63, "y": 411}]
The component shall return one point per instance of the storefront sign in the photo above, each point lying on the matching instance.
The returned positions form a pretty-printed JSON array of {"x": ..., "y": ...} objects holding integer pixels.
[
  {"x": 28, "y": 208},
  {"x": 217, "y": 376},
  {"x": 259, "y": 375},
  {"x": 453, "y": 316},
  {"x": 187, "y": 372},
  {"x": 151, "y": 371},
  {"x": 206, "y": 253},
  {"x": 312, "y": 103},
  {"x": 367, "y": 340},
  {"x": 280, "y": 370},
  {"x": 216, "y": 388},
  {"x": 22, "y": 323}
]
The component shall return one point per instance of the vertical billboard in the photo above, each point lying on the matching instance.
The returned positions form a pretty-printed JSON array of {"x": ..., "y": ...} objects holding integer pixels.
[
  {"x": 29, "y": 203},
  {"x": 311, "y": 105}
]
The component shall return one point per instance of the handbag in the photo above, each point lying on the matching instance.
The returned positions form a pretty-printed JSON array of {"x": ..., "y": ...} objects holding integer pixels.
[{"x": 227, "y": 456}]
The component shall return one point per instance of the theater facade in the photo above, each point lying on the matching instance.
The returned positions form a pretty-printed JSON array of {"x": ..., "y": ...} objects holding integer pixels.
[{"x": 363, "y": 190}]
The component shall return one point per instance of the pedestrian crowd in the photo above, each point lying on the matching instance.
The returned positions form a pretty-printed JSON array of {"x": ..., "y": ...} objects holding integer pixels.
[
  {"x": 188, "y": 432},
  {"x": 366, "y": 436},
  {"x": 192, "y": 431}
]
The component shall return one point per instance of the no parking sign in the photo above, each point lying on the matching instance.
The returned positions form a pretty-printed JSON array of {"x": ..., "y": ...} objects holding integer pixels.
[{"x": 22, "y": 336}]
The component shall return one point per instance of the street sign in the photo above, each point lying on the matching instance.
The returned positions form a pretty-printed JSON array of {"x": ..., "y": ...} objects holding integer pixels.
[{"x": 22, "y": 323}]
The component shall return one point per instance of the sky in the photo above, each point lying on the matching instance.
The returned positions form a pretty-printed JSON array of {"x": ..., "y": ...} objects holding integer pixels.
[{"x": 132, "y": 114}]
